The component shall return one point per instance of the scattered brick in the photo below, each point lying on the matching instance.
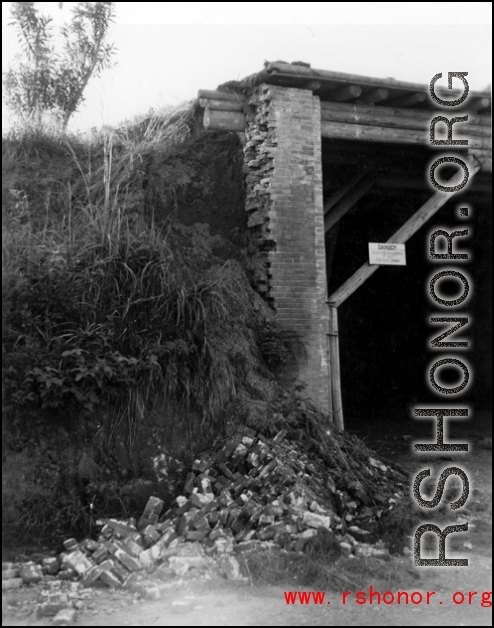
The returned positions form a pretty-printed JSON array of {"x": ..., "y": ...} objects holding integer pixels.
[
  {"x": 12, "y": 583},
  {"x": 67, "y": 617},
  {"x": 31, "y": 573}
]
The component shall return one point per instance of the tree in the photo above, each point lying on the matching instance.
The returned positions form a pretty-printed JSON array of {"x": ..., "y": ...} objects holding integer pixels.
[{"x": 43, "y": 79}]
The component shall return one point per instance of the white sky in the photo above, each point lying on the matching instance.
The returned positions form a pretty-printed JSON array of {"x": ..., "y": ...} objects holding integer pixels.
[{"x": 167, "y": 51}]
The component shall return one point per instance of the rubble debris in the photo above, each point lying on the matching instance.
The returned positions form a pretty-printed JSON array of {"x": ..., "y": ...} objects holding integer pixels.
[
  {"x": 31, "y": 573},
  {"x": 66, "y": 617},
  {"x": 12, "y": 583},
  {"x": 252, "y": 492}
]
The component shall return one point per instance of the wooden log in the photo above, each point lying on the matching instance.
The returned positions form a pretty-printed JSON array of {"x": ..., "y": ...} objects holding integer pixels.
[
  {"x": 387, "y": 135},
  {"x": 423, "y": 184},
  {"x": 313, "y": 85},
  {"x": 397, "y": 112},
  {"x": 411, "y": 226},
  {"x": 220, "y": 105},
  {"x": 480, "y": 104},
  {"x": 408, "y": 100},
  {"x": 342, "y": 190},
  {"x": 484, "y": 157},
  {"x": 375, "y": 95},
  {"x": 348, "y": 201},
  {"x": 345, "y": 93},
  {"x": 288, "y": 70},
  {"x": 334, "y": 359},
  {"x": 461, "y": 130},
  {"x": 224, "y": 120},
  {"x": 214, "y": 95}
]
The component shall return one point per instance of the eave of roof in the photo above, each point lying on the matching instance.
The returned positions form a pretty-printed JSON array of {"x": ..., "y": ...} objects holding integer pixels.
[{"x": 325, "y": 82}]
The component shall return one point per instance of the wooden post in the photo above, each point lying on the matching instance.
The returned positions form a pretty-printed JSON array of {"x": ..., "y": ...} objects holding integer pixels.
[{"x": 334, "y": 359}]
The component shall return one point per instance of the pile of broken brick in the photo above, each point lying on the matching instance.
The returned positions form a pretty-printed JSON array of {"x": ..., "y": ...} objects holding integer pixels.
[{"x": 253, "y": 493}]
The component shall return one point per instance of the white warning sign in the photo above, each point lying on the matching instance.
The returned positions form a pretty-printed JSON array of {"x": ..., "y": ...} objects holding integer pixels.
[{"x": 387, "y": 253}]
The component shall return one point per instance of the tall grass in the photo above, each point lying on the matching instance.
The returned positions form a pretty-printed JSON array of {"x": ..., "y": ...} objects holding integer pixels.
[
  {"x": 92, "y": 270},
  {"x": 108, "y": 314}
]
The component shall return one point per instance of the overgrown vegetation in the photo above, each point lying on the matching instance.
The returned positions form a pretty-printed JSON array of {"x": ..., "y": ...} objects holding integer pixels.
[
  {"x": 130, "y": 339},
  {"x": 46, "y": 80}
]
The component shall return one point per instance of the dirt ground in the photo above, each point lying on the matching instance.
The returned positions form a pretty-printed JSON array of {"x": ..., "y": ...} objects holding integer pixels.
[{"x": 225, "y": 605}]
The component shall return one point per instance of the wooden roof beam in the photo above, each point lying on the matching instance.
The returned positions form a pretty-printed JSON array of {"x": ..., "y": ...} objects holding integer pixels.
[
  {"x": 388, "y": 135},
  {"x": 409, "y": 100},
  {"x": 345, "y": 93},
  {"x": 348, "y": 201},
  {"x": 375, "y": 95}
]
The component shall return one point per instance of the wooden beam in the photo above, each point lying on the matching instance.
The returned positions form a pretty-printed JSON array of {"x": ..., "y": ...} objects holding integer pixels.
[
  {"x": 224, "y": 120},
  {"x": 341, "y": 191},
  {"x": 220, "y": 105},
  {"x": 376, "y": 117},
  {"x": 359, "y": 110},
  {"x": 348, "y": 201},
  {"x": 345, "y": 93},
  {"x": 481, "y": 104},
  {"x": 313, "y": 85},
  {"x": 408, "y": 100},
  {"x": 289, "y": 71},
  {"x": 422, "y": 184},
  {"x": 388, "y": 135},
  {"x": 411, "y": 226},
  {"x": 375, "y": 95},
  {"x": 214, "y": 95},
  {"x": 484, "y": 157}
]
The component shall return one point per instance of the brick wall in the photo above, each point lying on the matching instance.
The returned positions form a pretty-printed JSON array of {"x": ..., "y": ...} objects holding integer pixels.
[{"x": 285, "y": 205}]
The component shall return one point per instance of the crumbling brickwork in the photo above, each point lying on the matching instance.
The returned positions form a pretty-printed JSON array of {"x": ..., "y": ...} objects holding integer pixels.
[{"x": 285, "y": 205}]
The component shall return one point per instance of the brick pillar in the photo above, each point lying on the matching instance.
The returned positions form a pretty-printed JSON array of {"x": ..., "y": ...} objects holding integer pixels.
[{"x": 285, "y": 140}]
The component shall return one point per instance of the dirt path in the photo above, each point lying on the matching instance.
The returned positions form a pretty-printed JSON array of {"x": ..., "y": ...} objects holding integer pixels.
[{"x": 266, "y": 606}]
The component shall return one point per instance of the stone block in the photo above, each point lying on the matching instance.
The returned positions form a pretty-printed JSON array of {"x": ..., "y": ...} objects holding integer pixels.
[
  {"x": 314, "y": 520},
  {"x": 50, "y": 609},
  {"x": 121, "y": 529},
  {"x": 132, "y": 548},
  {"x": 91, "y": 575},
  {"x": 66, "y": 617},
  {"x": 9, "y": 574},
  {"x": 67, "y": 573},
  {"x": 127, "y": 561},
  {"x": 111, "y": 580},
  {"x": 100, "y": 554},
  {"x": 12, "y": 583},
  {"x": 30, "y": 574},
  {"x": 153, "y": 507},
  {"x": 78, "y": 561},
  {"x": 230, "y": 567},
  {"x": 70, "y": 545},
  {"x": 152, "y": 593},
  {"x": 50, "y": 566}
]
